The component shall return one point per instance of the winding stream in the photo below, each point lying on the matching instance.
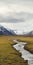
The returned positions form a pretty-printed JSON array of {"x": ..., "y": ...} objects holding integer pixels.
[{"x": 25, "y": 54}]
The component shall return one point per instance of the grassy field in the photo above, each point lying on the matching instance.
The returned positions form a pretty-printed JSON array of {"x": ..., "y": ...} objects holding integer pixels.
[
  {"x": 29, "y": 41},
  {"x": 8, "y": 55},
  {"x": 29, "y": 47}
]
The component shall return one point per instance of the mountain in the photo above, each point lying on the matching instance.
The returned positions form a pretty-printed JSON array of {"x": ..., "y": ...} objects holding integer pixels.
[
  {"x": 29, "y": 33},
  {"x": 4, "y": 31},
  {"x": 25, "y": 33}
]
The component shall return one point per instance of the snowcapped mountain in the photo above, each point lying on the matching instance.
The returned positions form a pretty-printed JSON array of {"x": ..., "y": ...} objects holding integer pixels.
[
  {"x": 29, "y": 33},
  {"x": 24, "y": 33},
  {"x": 4, "y": 31}
]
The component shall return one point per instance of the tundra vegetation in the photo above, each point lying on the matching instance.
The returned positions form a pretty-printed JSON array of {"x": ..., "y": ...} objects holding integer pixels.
[{"x": 8, "y": 55}]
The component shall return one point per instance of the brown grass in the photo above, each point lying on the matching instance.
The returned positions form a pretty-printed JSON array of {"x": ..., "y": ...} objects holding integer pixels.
[{"x": 8, "y": 55}]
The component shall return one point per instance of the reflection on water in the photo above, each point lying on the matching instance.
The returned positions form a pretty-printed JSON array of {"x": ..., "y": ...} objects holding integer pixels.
[{"x": 25, "y": 54}]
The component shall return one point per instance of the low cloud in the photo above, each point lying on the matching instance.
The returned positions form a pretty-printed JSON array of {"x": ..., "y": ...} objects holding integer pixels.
[
  {"x": 10, "y": 19},
  {"x": 18, "y": 17},
  {"x": 16, "y": 10}
]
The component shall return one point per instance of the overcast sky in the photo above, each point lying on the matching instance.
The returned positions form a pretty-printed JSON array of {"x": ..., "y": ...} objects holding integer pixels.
[{"x": 17, "y": 14}]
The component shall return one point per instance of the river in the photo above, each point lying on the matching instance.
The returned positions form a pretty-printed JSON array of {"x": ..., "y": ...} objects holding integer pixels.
[{"x": 24, "y": 53}]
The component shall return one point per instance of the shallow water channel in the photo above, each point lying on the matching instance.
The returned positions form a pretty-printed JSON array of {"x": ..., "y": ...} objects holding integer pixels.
[{"x": 24, "y": 53}]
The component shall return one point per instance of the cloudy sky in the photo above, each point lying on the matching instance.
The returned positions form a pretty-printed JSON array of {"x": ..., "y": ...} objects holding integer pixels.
[{"x": 17, "y": 14}]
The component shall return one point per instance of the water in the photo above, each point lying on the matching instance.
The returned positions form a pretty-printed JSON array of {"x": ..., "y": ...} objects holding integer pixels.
[{"x": 24, "y": 53}]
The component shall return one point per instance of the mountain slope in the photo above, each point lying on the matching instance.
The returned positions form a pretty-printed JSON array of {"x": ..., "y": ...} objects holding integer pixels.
[
  {"x": 29, "y": 33},
  {"x": 4, "y": 31}
]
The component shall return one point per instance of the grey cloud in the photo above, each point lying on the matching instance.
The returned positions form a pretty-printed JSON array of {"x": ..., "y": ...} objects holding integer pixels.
[
  {"x": 25, "y": 16},
  {"x": 16, "y": 1},
  {"x": 19, "y": 17},
  {"x": 10, "y": 19}
]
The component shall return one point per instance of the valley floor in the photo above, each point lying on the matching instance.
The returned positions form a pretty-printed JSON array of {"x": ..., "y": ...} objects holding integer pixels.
[
  {"x": 29, "y": 45},
  {"x": 8, "y": 55}
]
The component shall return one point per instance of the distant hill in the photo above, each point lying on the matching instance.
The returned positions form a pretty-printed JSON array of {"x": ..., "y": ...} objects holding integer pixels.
[
  {"x": 29, "y": 33},
  {"x": 26, "y": 33},
  {"x": 4, "y": 31}
]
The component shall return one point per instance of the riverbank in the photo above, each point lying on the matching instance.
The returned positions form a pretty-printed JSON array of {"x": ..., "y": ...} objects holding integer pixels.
[
  {"x": 24, "y": 53},
  {"x": 29, "y": 47},
  {"x": 8, "y": 55}
]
